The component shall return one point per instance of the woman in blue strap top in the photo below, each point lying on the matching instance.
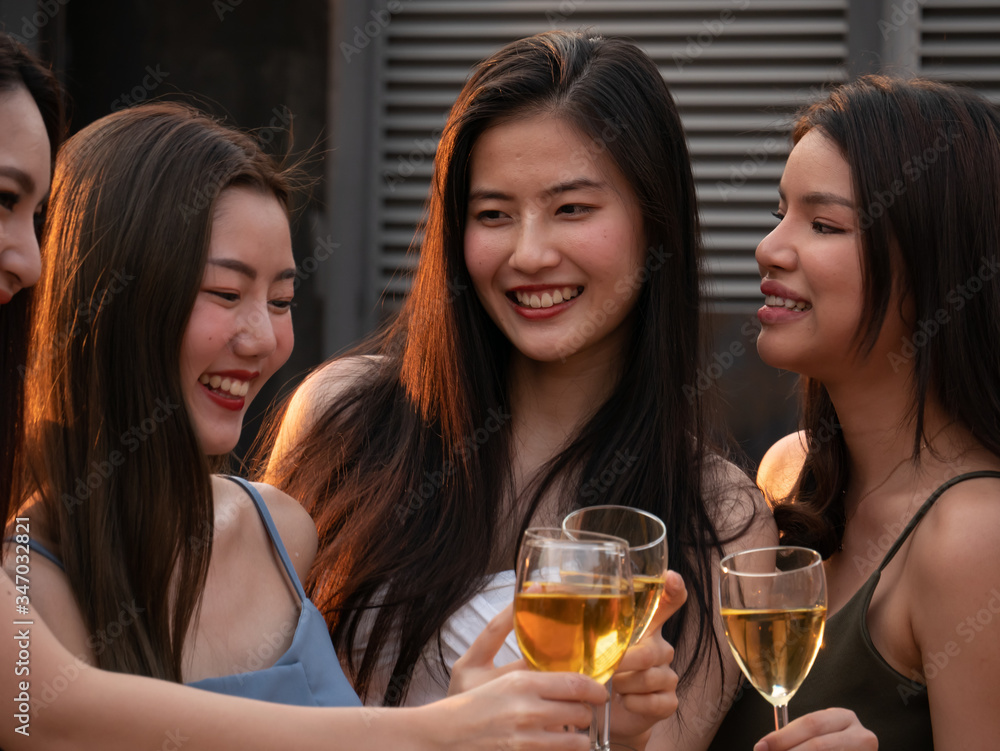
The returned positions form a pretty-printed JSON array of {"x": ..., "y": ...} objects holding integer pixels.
[
  {"x": 882, "y": 289},
  {"x": 164, "y": 304}
]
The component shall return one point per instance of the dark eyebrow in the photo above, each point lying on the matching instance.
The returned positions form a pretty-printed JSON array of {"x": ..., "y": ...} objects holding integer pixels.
[
  {"x": 249, "y": 271},
  {"x": 20, "y": 177},
  {"x": 819, "y": 198},
  {"x": 580, "y": 183}
]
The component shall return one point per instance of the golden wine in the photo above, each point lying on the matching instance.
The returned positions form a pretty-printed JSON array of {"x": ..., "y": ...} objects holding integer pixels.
[
  {"x": 572, "y": 631},
  {"x": 647, "y": 596},
  {"x": 775, "y": 648}
]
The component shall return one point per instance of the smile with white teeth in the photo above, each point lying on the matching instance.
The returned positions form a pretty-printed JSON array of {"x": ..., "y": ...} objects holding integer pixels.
[
  {"x": 546, "y": 299},
  {"x": 773, "y": 301},
  {"x": 227, "y": 385}
]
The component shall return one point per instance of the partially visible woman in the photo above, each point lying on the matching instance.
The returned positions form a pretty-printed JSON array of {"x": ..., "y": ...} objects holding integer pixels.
[
  {"x": 544, "y": 359},
  {"x": 31, "y": 121},
  {"x": 882, "y": 290}
]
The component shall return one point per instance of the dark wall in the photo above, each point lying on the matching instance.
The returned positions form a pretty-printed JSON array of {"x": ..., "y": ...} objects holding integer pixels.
[{"x": 262, "y": 65}]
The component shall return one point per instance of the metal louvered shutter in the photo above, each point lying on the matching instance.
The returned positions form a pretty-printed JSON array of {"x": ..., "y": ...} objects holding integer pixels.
[
  {"x": 737, "y": 69},
  {"x": 960, "y": 43}
]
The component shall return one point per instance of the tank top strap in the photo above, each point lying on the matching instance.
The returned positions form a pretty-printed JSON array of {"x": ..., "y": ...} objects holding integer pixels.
[
  {"x": 272, "y": 532},
  {"x": 922, "y": 511},
  {"x": 36, "y": 547}
]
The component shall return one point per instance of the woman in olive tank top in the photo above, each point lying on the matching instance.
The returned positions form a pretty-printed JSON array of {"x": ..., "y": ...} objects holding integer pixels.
[{"x": 881, "y": 289}]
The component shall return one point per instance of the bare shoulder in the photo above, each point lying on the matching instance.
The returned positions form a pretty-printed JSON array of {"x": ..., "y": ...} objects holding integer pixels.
[
  {"x": 294, "y": 525},
  {"x": 52, "y": 598},
  {"x": 954, "y": 608},
  {"x": 239, "y": 530},
  {"x": 780, "y": 467},
  {"x": 957, "y": 545},
  {"x": 314, "y": 396},
  {"x": 328, "y": 382},
  {"x": 737, "y": 507}
]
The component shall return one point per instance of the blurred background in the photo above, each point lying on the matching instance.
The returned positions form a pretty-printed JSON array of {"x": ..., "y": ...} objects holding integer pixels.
[{"x": 363, "y": 87}]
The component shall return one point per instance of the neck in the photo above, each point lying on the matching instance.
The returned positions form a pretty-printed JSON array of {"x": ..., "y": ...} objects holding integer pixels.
[
  {"x": 556, "y": 398},
  {"x": 879, "y": 428}
]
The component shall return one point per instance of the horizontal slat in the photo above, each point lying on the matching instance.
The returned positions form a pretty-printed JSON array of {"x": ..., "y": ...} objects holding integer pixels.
[
  {"x": 618, "y": 7},
  {"x": 961, "y": 49},
  {"x": 986, "y": 24},
  {"x": 721, "y": 49},
  {"x": 442, "y": 30},
  {"x": 763, "y": 98}
]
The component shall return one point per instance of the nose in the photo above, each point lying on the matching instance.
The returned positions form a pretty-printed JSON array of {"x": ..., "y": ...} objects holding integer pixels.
[
  {"x": 534, "y": 249},
  {"x": 776, "y": 251},
  {"x": 19, "y": 255},
  {"x": 255, "y": 337}
]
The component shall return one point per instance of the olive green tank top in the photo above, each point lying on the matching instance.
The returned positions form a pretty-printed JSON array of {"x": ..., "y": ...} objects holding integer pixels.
[{"x": 849, "y": 672}]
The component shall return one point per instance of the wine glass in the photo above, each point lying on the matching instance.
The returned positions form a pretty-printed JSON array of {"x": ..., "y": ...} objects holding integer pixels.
[
  {"x": 646, "y": 536},
  {"x": 773, "y": 602},
  {"x": 573, "y": 601}
]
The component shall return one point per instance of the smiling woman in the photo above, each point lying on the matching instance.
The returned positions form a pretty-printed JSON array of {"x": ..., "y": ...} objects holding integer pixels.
[
  {"x": 563, "y": 201},
  {"x": 126, "y": 516},
  {"x": 551, "y": 239},
  {"x": 247, "y": 289}
]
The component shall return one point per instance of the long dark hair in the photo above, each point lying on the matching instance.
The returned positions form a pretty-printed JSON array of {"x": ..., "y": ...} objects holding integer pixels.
[
  {"x": 925, "y": 165},
  {"x": 20, "y": 69},
  {"x": 408, "y": 474},
  {"x": 110, "y": 450}
]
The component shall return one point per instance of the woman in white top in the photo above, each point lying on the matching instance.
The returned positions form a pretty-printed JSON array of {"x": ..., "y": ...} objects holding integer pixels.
[{"x": 545, "y": 359}]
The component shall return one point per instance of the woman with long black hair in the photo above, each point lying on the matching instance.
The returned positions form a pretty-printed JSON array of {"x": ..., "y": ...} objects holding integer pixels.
[
  {"x": 538, "y": 364},
  {"x": 882, "y": 285}
]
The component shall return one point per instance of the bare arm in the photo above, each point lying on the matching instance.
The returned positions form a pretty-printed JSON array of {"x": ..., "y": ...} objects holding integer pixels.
[
  {"x": 310, "y": 400},
  {"x": 955, "y": 576},
  {"x": 114, "y": 712}
]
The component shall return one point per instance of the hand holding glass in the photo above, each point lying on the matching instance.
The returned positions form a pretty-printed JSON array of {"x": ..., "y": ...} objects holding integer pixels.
[
  {"x": 646, "y": 536},
  {"x": 573, "y": 602},
  {"x": 773, "y": 602}
]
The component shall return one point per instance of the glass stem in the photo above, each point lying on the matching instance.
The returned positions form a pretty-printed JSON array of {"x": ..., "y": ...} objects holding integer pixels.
[
  {"x": 606, "y": 726},
  {"x": 780, "y": 716}
]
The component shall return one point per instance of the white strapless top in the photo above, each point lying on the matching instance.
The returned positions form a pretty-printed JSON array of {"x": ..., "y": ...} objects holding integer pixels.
[{"x": 429, "y": 682}]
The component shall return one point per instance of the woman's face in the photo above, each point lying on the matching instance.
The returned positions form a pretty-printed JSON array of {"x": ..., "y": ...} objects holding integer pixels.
[
  {"x": 811, "y": 273},
  {"x": 25, "y": 166},
  {"x": 553, "y": 239},
  {"x": 240, "y": 330}
]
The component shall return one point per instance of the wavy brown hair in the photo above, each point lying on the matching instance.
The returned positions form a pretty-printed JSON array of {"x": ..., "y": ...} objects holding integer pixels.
[
  {"x": 20, "y": 69},
  {"x": 407, "y": 474},
  {"x": 124, "y": 253},
  {"x": 941, "y": 143}
]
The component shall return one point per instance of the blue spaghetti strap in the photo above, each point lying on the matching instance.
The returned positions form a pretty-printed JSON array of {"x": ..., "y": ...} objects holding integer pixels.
[
  {"x": 37, "y": 547},
  {"x": 272, "y": 532}
]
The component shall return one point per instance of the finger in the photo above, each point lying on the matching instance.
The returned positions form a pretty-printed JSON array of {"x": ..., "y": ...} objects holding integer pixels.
[
  {"x": 556, "y": 739},
  {"x": 484, "y": 649},
  {"x": 560, "y": 687},
  {"x": 510, "y": 667},
  {"x": 674, "y": 595},
  {"x": 657, "y": 704},
  {"x": 826, "y": 722},
  {"x": 654, "y": 680},
  {"x": 653, "y": 650}
]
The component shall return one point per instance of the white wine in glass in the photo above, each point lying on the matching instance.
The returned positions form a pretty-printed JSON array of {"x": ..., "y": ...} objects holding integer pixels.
[
  {"x": 773, "y": 602},
  {"x": 563, "y": 628},
  {"x": 646, "y": 536},
  {"x": 573, "y": 602}
]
